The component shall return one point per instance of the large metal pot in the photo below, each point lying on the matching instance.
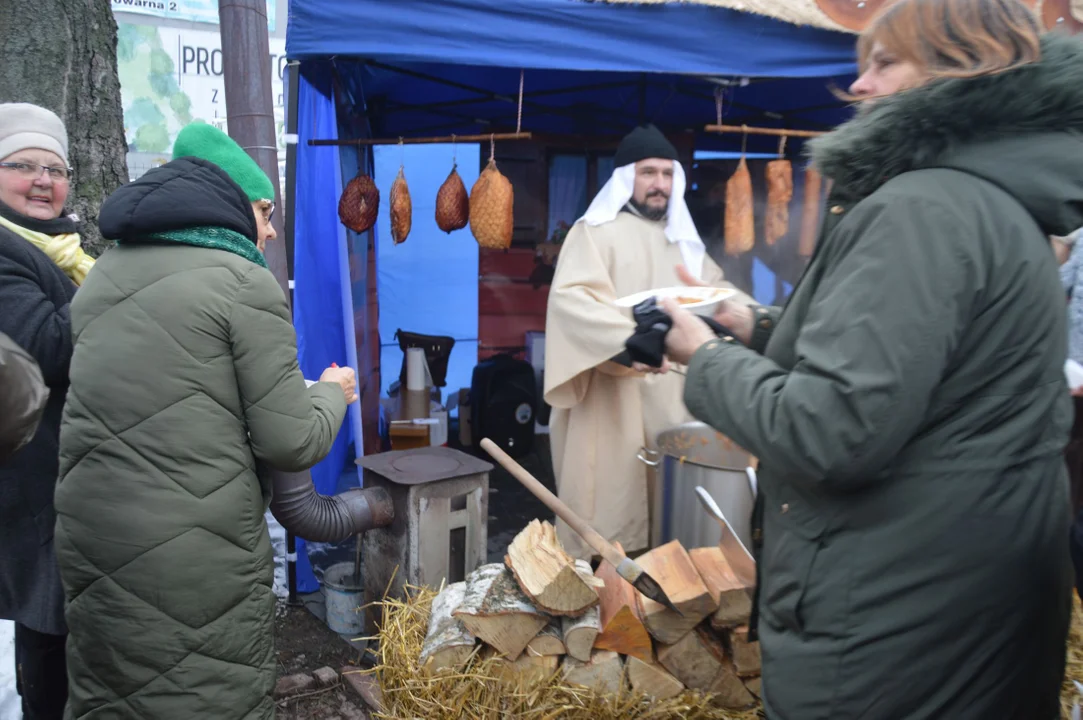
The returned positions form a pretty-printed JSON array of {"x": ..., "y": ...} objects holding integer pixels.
[{"x": 694, "y": 454}]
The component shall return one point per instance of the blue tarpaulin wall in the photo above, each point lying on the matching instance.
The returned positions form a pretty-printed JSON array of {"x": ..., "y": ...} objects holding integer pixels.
[
  {"x": 322, "y": 311},
  {"x": 428, "y": 284}
]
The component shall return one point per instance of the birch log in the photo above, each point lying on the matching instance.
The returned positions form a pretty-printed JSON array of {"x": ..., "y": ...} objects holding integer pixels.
[
  {"x": 495, "y": 610},
  {"x": 448, "y": 643}
]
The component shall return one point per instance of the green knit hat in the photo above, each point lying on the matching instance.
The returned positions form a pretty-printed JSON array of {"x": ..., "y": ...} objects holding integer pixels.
[{"x": 209, "y": 143}]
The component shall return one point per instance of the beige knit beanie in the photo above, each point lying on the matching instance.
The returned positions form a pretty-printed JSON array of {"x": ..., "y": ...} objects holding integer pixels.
[{"x": 24, "y": 126}]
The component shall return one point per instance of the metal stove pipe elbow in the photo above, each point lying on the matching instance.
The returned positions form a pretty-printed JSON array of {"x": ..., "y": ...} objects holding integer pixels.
[{"x": 322, "y": 518}]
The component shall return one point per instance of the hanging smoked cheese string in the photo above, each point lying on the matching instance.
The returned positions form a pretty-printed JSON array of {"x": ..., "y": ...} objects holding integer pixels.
[
  {"x": 740, "y": 226},
  {"x": 810, "y": 213},
  {"x": 779, "y": 195}
]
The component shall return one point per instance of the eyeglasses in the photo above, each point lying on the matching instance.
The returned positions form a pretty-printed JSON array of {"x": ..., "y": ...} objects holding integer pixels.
[
  {"x": 268, "y": 211},
  {"x": 32, "y": 171}
]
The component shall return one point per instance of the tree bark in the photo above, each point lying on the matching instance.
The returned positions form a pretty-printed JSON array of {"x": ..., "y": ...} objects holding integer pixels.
[{"x": 62, "y": 55}]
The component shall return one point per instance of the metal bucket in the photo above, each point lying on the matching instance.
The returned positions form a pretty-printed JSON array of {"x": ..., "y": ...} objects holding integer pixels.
[
  {"x": 694, "y": 454},
  {"x": 342, "y": 595}
]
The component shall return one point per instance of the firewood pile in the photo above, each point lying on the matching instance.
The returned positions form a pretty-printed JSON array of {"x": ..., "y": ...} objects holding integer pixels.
[{"x": 541, "y": 632}]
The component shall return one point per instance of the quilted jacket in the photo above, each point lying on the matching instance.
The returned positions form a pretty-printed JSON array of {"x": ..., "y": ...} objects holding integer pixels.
[{"x": 184, "y": 374}]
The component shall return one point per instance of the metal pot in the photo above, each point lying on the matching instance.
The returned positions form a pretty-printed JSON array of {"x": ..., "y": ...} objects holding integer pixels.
[{"x": 694, "y": 454}]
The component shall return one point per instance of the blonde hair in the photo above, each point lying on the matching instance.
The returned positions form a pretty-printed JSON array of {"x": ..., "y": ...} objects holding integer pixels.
[{"x": 955, "y": 38}]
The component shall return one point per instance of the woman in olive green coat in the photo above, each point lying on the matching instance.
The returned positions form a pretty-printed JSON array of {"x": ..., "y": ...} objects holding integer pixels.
[
  {"x": 184, "y": 375},
  {"x": 909, "y": 406}
]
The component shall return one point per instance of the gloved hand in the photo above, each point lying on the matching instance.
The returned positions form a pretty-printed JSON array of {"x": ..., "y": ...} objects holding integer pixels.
[{"x": 648, "y": 344}]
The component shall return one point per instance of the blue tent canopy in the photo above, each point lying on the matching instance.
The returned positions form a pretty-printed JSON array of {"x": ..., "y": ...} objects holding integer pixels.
[
  {"x": 412, "y": 68},
  {"x": 452, "y": 66},
  {"x": 673, "y": 38}
]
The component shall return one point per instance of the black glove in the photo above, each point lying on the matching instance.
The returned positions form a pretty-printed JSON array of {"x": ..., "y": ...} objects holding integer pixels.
[{"x": 648, "y": 344}]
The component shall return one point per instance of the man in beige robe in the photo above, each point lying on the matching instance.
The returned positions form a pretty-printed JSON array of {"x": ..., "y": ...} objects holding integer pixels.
[{"x": 633, "y": 237}]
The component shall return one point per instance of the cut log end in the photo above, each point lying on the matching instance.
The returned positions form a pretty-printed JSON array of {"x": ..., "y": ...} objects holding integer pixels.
[
  {"x": 547, "y": 574},
  {"x": 581, "y": 633},
  {"x": 604, "y": 672},
  {"x": 671, "y": 566},
  {"x": 700, "y": 662},
  {"x": 652, "y": 679},
  {"x": 734, "y": 600},
  {"x": 550, "y": 641}
]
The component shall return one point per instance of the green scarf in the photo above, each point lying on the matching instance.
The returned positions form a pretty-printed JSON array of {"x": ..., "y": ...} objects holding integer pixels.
[{"x": 215, "y": 238}]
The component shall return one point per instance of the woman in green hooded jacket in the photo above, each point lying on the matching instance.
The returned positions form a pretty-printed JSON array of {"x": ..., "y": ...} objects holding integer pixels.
[
  {"x": 908, "y": 405},
  {"x": 184, "y": 376}
]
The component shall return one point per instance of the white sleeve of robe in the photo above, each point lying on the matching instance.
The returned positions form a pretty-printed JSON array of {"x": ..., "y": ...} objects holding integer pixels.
[{"x": 584, "y": 328}]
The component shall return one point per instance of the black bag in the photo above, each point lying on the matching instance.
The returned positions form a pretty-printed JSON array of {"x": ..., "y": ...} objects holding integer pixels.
[
  {"x": 504, "y": 404},
  {"x": 437, "y": 353}
]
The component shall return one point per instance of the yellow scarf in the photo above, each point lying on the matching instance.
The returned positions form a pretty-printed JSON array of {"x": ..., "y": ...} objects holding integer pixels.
[{"x": 64, "y": 250}]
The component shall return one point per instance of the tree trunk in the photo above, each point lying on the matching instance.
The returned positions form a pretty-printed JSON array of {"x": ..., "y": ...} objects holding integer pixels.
[{"x": 71, "y": 69}]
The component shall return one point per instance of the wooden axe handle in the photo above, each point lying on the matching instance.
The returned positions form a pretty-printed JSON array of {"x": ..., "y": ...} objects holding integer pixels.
[{"x": 602, "y": 546}]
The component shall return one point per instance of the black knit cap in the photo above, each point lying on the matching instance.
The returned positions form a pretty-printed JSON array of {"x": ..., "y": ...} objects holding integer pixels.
[{"x": 646, "y": 141}]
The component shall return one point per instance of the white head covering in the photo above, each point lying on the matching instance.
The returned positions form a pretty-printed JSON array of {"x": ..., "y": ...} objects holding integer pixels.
[{"x": 680, "y": 229}]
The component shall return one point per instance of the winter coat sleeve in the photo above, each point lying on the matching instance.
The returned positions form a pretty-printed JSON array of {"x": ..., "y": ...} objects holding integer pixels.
[
  {"x": 23, "y": 395},
  {"x": 291, "y": 427},
  {"x": 30, "y": 318},
  {"x": 870, "y": 353}
]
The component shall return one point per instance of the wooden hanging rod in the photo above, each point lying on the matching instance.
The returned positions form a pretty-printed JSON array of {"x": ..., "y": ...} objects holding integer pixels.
[
  {"x": 426, "y": 140},
  {"x": 749, "y": 130}
]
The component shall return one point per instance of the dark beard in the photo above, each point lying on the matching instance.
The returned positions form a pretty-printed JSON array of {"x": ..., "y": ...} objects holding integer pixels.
[{"x": 649, "y": 212}]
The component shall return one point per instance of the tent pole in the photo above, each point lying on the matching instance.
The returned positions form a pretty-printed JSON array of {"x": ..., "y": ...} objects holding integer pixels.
[
  {"x": 250, "y": 118},
  {"x": 293, "y": 82},
  {"x": 426, "y": 140}
]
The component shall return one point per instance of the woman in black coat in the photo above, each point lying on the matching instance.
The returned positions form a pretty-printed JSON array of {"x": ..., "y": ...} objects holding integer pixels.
[{"x": 41, "y": 264}]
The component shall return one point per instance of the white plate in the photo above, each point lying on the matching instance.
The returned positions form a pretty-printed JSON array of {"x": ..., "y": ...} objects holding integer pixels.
[{"x": 710, "y": 298}]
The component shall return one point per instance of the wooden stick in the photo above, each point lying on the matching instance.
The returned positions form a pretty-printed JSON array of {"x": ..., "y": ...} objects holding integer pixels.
[
  {"x": 425, "y": 140},
  {"x": 776, "y": 132}
]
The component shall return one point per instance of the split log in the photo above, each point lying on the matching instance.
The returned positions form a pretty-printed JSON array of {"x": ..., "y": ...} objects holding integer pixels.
[
  {"x": 527, "y": 669},
  {"x": 671, "y": 566},
  {"x": 700, "y": 662},
  {"x": 581, "y": 632},
  {"x": 622, "y": 626},
  {"x": 604, "y": 672},
  {"x": 755, "y": 686},
  {"x": 745, "y": 653},
  {"x": 733, "y": 598},
  {"x": 448, "y": 643},
  {"x": 652, "y": 679},
  {"x": 550, "y": 641},
  {"x": 495, "y": 610},
  {"x": 547, "y": 574}
]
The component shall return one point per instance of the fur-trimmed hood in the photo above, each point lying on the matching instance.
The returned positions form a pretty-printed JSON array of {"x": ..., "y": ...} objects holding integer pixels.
[{"x": 1021, "y": 130}]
